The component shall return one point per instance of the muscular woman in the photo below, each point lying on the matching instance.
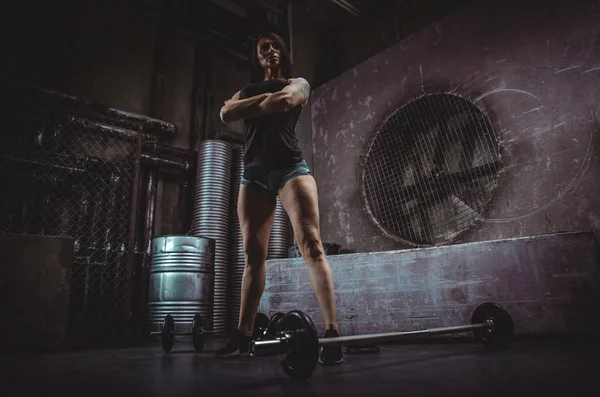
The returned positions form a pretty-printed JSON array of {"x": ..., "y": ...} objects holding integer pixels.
[{"x": 274, "y": 165}]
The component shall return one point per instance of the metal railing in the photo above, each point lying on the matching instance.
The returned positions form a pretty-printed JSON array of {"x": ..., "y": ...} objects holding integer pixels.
[{"x": 71, "y": 168}]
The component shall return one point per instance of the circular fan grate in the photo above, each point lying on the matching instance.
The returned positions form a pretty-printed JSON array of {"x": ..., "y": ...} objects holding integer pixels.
[{"x": 431, "y": 169}]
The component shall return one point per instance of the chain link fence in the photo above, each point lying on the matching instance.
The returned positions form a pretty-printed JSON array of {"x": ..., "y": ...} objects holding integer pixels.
[{"x": 68, "y": 168}]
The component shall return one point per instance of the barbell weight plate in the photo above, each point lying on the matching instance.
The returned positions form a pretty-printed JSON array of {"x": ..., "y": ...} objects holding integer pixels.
[
  {"x": 502, "y": 330},
  {"x": 166, "y": 334},
  {"x": 197, "y": 333},
  {"x": 273, "y": 322},
  {"x": 260, "y": 321},
  {"x": 303, "y": 351}
]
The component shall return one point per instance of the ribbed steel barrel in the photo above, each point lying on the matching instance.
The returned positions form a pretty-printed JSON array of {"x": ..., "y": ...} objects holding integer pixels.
[
  {"x": 236, "y": 247},
  {"x": 211, "y": 216},
  {"x": 181, "y": 281},
  {"x": 281, "y": 234}
]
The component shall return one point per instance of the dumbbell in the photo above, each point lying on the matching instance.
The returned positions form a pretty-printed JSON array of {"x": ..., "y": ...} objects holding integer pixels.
[
  {"x": 198, "y": 332},
  {"x": 274, "y": 320},
  {"x": 267, "y": 327},
  {"x": 261, "y": 323},
  {"x": 167, "y": 333}
]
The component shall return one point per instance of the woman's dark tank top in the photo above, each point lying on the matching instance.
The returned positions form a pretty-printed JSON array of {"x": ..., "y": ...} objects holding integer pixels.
[{"x": 270, "y": 141}]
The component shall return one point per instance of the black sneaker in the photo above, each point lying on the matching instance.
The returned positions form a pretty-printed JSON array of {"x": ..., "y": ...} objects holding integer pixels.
[
  {"x": 237, "y": 345},
  {"x": 331, "y": 354}
]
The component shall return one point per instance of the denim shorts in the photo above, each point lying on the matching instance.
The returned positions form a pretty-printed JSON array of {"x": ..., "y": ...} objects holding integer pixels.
[{"x": 275, "y": 179}]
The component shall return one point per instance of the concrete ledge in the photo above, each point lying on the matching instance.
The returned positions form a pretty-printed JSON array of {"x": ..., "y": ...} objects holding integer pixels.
[{"x": 549, "y": 283}]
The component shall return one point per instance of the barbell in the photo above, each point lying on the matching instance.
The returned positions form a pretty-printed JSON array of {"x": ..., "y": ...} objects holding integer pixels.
[{"x": 297, "y": 337}]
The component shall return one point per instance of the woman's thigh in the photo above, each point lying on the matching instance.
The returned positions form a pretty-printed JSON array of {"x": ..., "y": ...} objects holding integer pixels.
[
  {"x": 300, "y": 200},
  {"x": 256, "y": 211}
]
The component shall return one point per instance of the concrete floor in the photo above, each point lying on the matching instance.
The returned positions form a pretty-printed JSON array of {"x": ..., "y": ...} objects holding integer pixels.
[{"x": 533, "y": 367}]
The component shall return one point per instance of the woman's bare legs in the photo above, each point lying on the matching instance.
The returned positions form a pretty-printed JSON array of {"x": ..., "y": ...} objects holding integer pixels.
[
  {"x": 300, "y": 201},
  {"x": 256, "y": 211}
]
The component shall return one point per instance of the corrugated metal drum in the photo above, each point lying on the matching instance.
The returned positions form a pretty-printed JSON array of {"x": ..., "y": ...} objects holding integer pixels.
[
  {"x": 281, "y": 234},
  {"x": 236, "y": 246},
  {"x": 181, "y": 281},
  {"x": 211, "y": 216}
]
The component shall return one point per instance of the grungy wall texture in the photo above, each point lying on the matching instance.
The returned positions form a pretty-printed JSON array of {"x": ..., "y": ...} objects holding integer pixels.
[
  {"x": 549, "y": 284},
  {"x": 534, "y": 70}
]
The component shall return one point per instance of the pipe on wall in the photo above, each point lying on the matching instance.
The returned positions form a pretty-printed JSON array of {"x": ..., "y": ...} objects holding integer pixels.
[
  {"x": 154, "y": 148},
  {"x": 348, "y": 7},
  {"x": 290, "y": 30},
  {"x": 165, "y": 162},
  {"x": 133, "y": 217},
  {"x": 151, "y": 190},
  {"x": 150, "y": 125},
  {"x": 149, "y": 221}
]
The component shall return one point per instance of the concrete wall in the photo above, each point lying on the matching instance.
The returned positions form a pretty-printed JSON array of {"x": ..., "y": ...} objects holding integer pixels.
[
  {"x": 385, "y": 26},
  {"x": 549, "y": 284},
  {"x": 110, "y": 61},
  {"x": 306, "y": 43},
  {"x": 532, "y": 69}
]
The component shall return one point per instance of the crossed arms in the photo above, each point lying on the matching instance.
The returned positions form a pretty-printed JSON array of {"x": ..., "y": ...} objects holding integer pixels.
[{"x": 294, "y": 94}]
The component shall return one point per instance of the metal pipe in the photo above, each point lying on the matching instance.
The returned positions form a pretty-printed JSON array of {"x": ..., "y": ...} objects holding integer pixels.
[
  {"x": 348, "y": 7},
  {"x": 203, "y": 111},
  {"x": 110, "y": 129},
  {"x": 165, "y": 162},
  {"x": 153, "y": 147},
  {"x": 194, "y": 102},
  {"x": 151, "y": 189},
  {"x": 149, "y": 221},
  {"x": 290, "y": 31},
  {"x": 98, "y": 220},
  {"x": 261, "y": 347},
  {"x": 150, "y": 125},
  {"x": 112, "y": 217},
  {"x": 204, "y": 134},
  {"x": 351, "y": 6},
  {"x": 133, "y": 216},
  {"x": 393, "y": 336}
]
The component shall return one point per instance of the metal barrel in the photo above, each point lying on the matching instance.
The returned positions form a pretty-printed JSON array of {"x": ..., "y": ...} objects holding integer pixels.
[
  {"x": 236, "y": 246},
  {"x": 211, "y": 217},
  {"x": 281, "y": 234},
  {"x": 181, "y": 281}
]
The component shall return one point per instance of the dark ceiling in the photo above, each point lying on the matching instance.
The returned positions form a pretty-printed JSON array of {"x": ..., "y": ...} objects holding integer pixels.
[
  {"x": 235, "y": 22},
  {"x": 339, "y": 13},
  {"x": 229, "y": 26}
]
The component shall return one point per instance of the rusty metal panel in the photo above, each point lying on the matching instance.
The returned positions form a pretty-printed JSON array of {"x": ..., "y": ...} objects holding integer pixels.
[
  {"x": 549, "y": 283},
  {"x": 34, "y": 291}
]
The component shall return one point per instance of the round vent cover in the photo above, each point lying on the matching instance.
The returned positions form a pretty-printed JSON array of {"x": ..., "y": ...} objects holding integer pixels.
[{"x": 431, "y": 169}]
